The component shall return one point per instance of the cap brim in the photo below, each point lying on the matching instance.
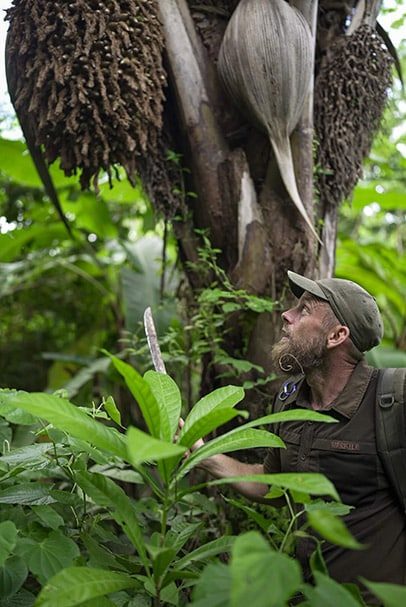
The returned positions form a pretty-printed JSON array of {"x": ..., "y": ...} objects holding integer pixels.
[{"x": 299, "y": 284}]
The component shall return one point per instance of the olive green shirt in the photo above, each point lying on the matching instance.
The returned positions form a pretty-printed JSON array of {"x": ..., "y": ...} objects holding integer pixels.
[{"x": 346, "y": 453}]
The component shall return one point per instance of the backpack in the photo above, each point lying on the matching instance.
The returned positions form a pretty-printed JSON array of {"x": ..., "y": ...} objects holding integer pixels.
[
  {"x": 391, "y": 428},
  {"x": 390, "y": 418}
]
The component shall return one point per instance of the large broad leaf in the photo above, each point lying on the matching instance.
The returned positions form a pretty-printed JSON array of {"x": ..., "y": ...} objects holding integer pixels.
[
  {"x": 223, "y": 544},
  {"x": 75, "y": 585},
  {"x": 146, "y": 400},
  {"x": 261, "y": 577},
  {"x": 242, "y": 438},
  {"x": 329, "y": 593},
  {"x": 332, "y": 529},
  {"x": 391, "y": 595},
  {"x": 104, "y": 492},
  {"x": 305, "y": 482},
  {"x": 12, "y": 576},
  {"x": 168, "y": 397},
  {"x": 47, "y": 557},
  {"x": 27, "y": 494},
  {"x": 210, "y": 412},
  {"x": 8, "y": 538},
  {"x": 48, "y": 516},
  {"x": 65, "y": 416},
  {"x": 214, "y": 587},
  {"x": 145, "y": 448},
  {"x": 26, "y": 456}
]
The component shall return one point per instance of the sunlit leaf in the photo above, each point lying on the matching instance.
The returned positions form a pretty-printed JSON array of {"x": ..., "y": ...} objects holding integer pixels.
[{"x": 75, "y": 585}]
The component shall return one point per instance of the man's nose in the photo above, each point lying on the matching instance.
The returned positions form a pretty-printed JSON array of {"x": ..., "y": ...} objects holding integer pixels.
[{"x": 287, "y": 317}]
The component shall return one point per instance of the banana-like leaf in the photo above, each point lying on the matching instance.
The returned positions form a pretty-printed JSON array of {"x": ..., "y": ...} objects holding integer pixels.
[
  {"x": 106, "y": 493},
  {"x": 208, "y": 408},
  {"x": 67, "y": 417},
  {"x": 241, "y": 438},
  {"x": 75, "y": 585},
  {"x": 145, "y": 448},
  {"x": 157, "y": 422},
  {"x": 168, "y": 397}
]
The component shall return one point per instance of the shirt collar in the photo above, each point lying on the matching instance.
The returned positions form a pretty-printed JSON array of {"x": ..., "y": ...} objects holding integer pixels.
[{"x": 349, "y": 399}]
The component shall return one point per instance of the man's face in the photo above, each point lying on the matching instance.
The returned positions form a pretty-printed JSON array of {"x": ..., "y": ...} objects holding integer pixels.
[{"x": 303, "y": 345}]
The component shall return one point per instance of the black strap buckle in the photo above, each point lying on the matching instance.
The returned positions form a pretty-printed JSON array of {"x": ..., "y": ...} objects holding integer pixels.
[
  {"x": 288, "y": 389},
  {"x": 386, "y": 401}
]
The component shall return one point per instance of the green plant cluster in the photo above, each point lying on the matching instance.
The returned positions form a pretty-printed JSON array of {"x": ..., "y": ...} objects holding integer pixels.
[{"x": 70, "y": 535}]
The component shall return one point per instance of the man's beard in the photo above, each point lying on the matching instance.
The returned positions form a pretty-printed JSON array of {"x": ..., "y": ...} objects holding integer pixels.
[{"x": 294, "y": 355}]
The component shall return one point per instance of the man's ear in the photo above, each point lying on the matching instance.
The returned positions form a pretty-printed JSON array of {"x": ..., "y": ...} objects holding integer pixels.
[{"x": 337, "y": 336}]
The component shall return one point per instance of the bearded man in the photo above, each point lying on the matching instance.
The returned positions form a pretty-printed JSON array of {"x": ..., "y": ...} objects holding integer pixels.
[{"x": 322, "y": 349}]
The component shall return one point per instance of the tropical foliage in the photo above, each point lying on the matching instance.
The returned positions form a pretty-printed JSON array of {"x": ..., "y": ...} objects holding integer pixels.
[{"x": 70, "y": 535}]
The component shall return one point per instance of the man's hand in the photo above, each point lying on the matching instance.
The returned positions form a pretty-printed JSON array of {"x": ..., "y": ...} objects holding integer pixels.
[{"x": 196, "y": 445}]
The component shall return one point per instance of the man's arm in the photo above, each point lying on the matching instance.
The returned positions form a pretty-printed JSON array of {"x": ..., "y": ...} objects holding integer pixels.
[{"x": 223, "y": 466}]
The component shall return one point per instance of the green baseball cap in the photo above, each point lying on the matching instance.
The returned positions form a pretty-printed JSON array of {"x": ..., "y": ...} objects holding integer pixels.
[{"x": 354, "y": 307}]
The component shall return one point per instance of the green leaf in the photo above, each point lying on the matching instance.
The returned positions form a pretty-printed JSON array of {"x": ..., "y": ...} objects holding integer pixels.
[
  {"x": 213, "y": 588},
  {"x": 8, "y": 538},
  {"x": 332, "y": 529},
  {"x": 26, "y": 456},
  {"x": 241, "y": 438},
  {"x": 104, "y": 492},
  {"x": 336, "y": 508},
  {"x": 48, "y": 516},
  {"x": 162, "y": 559},
  {"x": 142, "y": 393},
  {"x": 168, "y": 397},
  {"x": 305, "y": 482},
  {"x": 65, "y": 416},
  {"x": 391, "y": 595},
  {"x": 27, "y": 494},
  {"x": 75, "y": 585},
  {"x": 12, "y": 576},
  {"x": 261, "y": 577},
  {"x": 145, "y": 448},
  {"x": 329, "y": 593},
  {"x": 290, "y": 416},
  {"x": 223, "y": 544},
  {"x": 22, "y": 598},
  {"x": 112, "y": 410},
  {"x": 47, "y": 557},
  {"x": 210, "y": 412}
]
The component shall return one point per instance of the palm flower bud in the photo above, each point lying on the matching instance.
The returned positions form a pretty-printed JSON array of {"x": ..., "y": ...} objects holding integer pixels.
[{"x": 266, "y": 64}]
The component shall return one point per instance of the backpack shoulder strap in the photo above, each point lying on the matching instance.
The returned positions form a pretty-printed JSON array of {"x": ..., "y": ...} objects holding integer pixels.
[{"x": 391, "y": 427}]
